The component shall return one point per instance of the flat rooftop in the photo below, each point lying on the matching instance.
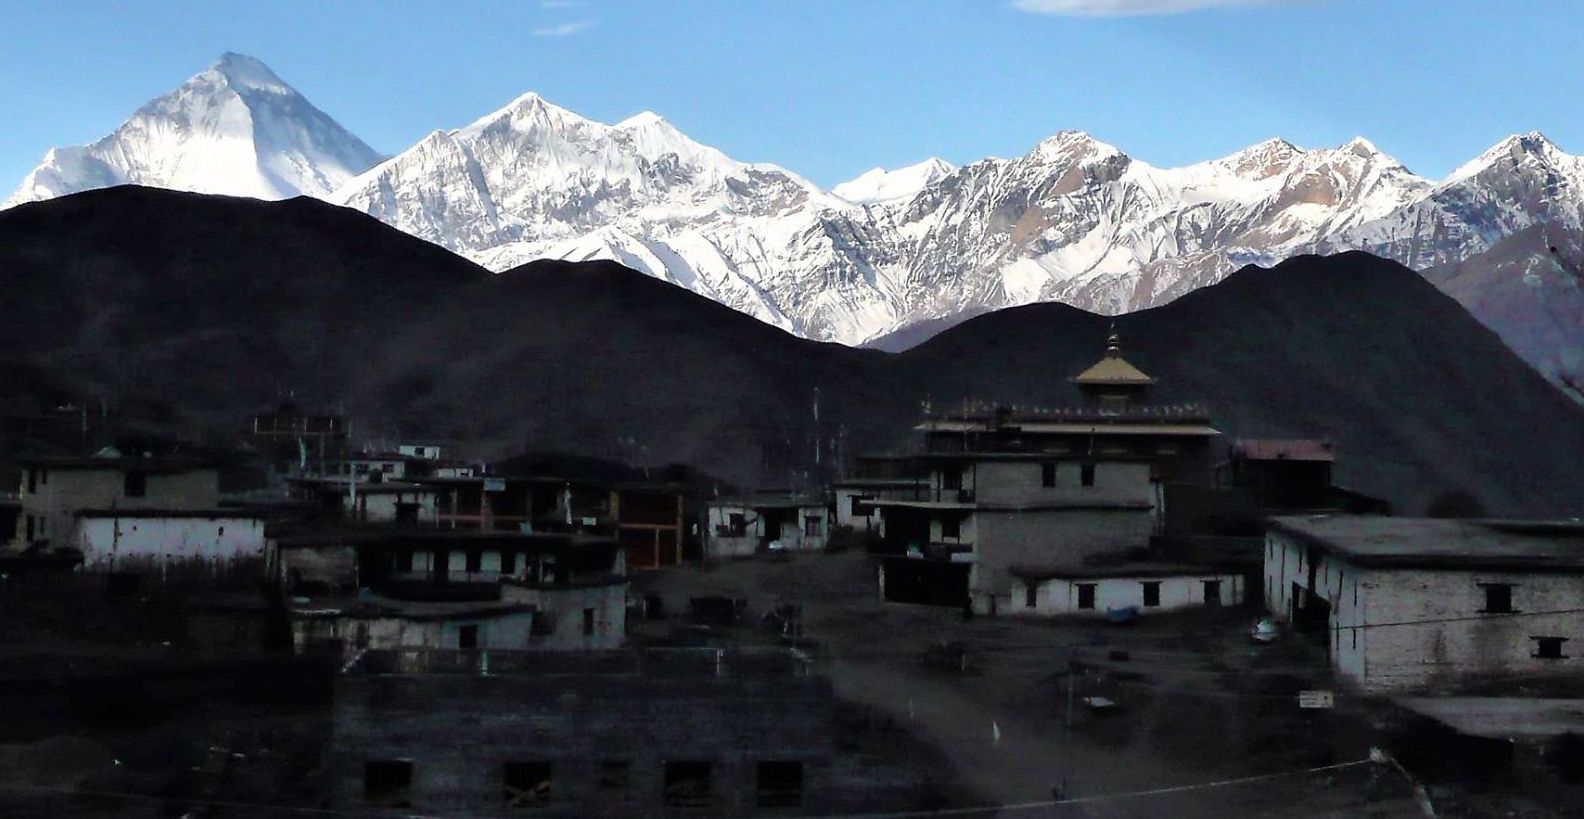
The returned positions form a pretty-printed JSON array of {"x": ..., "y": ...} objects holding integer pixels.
[{"x": 1441, "y": 543}]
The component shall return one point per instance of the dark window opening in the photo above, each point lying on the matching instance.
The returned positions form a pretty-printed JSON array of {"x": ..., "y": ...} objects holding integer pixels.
[
  {"x": 29, "y": 536},
  {"x": 1030, "y": 594},
  {"x": 1152, "y": 592},
  {"x": 614, "y": 775},
  {"x": 1087, "y": 475},
  {"x": 527, "y": 783},
  {"x": 404, "y": 560},
  {"x": 588, "y": 622},
  {"x": 407, "y": 513},
  {"x": 1047, "y": 475},
  {"x": 475, "y": 560},
  {"x": 780, "y": 785},
  {"x": 739, "y": 524},
  {"x": 508, "y": 562},
  {"x": 1086, "y": 595},
  {"x": 1212, "y": 592},
  {"x": 1549, "y": 648},
  {"x": 811, "y": 526},
  {"x": 467, "y": 637},
  {"x": 951, "y": 477},
  {"x": 687, "y": 784},
  {"x": 134, "y": 484},
  {"x": 1498, "y": 598},
  {"x": 388, "y": 782},
  {"x": 951, "y": 527},
  {"x": 32, "y": 482}
]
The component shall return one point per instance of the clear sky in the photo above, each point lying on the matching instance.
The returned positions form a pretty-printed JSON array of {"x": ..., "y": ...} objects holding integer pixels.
[{"x": 830, "y": 88}]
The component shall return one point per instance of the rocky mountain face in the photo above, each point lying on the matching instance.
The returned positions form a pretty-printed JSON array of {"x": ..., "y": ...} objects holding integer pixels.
[
  {"x": 234, "y": 129},
  {"x": 916, "y": 249}
]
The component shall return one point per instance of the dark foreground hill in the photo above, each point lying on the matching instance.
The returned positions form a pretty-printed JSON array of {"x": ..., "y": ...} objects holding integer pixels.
[{"x": 213, "y": 307}]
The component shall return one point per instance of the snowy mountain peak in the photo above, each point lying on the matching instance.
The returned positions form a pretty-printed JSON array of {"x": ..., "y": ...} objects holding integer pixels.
[
  {"x": 1519, "y": 152},
  {"x": 1074, "y": 145},
  {"x": 236, "y": 128},
  {"x": 880, "y": 185},
  {"x": 246, "y": 73},
  {"x": 1361, "y": 147}
]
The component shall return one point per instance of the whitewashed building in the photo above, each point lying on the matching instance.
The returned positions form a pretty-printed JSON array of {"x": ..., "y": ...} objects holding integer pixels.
[
  {"x": 1411, "y": 604},
  {"x": 1124, "y": 589},
  {"x": 743, "y": 526}
]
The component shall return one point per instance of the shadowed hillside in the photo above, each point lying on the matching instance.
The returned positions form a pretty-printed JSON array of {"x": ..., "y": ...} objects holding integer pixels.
[{"x": 216, "y": 306}]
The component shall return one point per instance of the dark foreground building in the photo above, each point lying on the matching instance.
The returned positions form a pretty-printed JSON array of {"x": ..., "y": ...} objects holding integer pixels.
[{"x": 657, "y": 732}]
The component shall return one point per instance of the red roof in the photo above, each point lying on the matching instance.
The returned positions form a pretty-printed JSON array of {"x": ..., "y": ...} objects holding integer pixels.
[{"x": 1283, "y": 449}]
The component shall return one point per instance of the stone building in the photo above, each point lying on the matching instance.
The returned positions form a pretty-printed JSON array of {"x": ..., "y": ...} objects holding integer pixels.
[
  {"x": 53, "y": 491},
  {"x": 1410, "y": 604},
  {"x": 738, "y": 527}
]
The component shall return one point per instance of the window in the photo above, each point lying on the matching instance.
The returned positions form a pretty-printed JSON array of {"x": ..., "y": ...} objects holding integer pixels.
[
  {"x": 1212, "y": 592},
  {"x": 779, "y": 784},
  {"x": 1030, "y": 594},
  {"x": 951, "y": 477},
  {"x": 951, "y": 527},
  {"x": 614, "y": 775},
  {"x": 739, "y": 524},
  {"x": 32, "y": 481},
  {"x": 134, "y": 484},
  {"x": 1549, "y": 648},
  {"x": 1047, "y": 475},
  {"x": 467, "y": 637},
  {"x": 1151, "y": 592},
  {"x": 29, "y": 537},
  {"x": 687, "y": 784},
  {"x": 475, "y": 560},
  {"x": 388, "y": 782},
  {"x": 527, "y": 783},
  {"x": 508, "y": 562},
  {"x": 1086, "y": 595},
  {"x": 812, "y": 525},
  {"x": 1498, "y": 598},
  {"x": 588, "y": 622},
  {"x": 1087, "y": 474},
  {"x": 404, "y": 560}
]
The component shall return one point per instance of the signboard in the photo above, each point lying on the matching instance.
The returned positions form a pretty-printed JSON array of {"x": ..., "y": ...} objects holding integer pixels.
[
  {"x": 494, "y": 484},
  {"x": 1316, "y": 699}
]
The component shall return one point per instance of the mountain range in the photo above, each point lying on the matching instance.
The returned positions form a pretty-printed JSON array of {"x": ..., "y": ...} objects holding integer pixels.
[
  {"x": 148, "y": 298},
  {"x": 914, "y": 250}
]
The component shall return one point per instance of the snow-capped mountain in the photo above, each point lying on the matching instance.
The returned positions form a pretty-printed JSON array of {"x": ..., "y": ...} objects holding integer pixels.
[
  {"x": 235, "y": 129},
  {"x": 880, "y": 185},
  {"x": 1074, "y": 219}
]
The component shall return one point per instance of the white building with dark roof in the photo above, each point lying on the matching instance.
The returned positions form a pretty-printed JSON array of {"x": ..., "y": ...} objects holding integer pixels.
[{"x": 1412, "y": 604}]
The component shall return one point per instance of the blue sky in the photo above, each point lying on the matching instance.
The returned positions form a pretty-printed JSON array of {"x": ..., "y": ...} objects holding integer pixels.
[{"x": 830, "y": 88}]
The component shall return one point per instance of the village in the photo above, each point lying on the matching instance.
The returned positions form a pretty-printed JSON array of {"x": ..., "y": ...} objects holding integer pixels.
[{"x": 1101, "y": 608}]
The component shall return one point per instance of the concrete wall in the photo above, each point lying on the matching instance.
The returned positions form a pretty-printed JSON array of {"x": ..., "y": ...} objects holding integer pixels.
[
  {"x": 562, "y": 612},
  {"x": 132, "y": 542},
  {"x": 510, "y": 631},
  {"x": 60, "y": 493},
  {"x": 1397, "y": 630},
  {"x": 1045, "y": 537},
  {"x": 1060, "y": 596},
  {"x": 459, "y": 731},
  {"x": 1020, "y": 483}
]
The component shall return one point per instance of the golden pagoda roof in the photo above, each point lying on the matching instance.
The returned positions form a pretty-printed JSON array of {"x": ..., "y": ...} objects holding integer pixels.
[{"x": 1113, "y": 369}]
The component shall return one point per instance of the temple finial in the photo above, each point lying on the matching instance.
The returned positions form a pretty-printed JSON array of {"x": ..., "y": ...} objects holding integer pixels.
[{"x": 1114, "y": 342}]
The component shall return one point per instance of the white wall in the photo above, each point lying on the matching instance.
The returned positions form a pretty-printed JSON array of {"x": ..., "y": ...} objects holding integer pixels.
[
  {"x": 1401, "y": 629},
  {"x": 123, "y": 542},
  {"x": 1060, "y": 596},
  {"x": 380, "y": 507},
  {"x": 510, "y": 631}
]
